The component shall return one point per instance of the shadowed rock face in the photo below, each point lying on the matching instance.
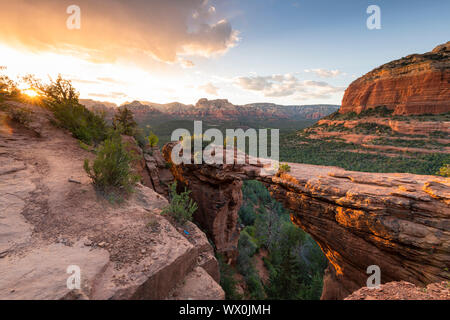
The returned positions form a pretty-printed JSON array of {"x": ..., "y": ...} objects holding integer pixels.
[
  {"x": 400, "y": 222},
  {"x": 219, "y": 198},
  {"x": 416, "y": 84}
]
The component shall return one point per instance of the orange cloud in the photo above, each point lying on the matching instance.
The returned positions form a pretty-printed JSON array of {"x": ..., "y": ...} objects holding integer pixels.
[{"x": 110, "y": 30}]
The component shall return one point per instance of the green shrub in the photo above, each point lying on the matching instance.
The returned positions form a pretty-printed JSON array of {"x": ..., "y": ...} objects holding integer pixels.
[
  {"x": 22, "y": 116},
  {"x": 8, "y": 88},
  {"x": 246, "y": 215},
  {"x": 444, "y": 170},
  {"x": 84, "y": 124},
  {"x": 255, "y": 286},
  {"x": 284, "y": 167},
  {"x": 227, "y": 280},
  {"x": 181, "y": 206},
  {"x": 111, "y": 170},
  {"x": 140, "y": 138},
  {"x": 83, "y": 145},
  {"x": 61, "y": 98},
  {"x": 153, "y": 139}
]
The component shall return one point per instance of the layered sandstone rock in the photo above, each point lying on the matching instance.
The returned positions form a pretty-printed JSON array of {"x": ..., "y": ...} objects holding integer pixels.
[
  {"x": 410, "y": 127},
  {"x": 157, "y": 168},
  {"x": 416, "y": 84},
  {"x": 400, "y": 222},
  {"x": 150, "y": 166}
]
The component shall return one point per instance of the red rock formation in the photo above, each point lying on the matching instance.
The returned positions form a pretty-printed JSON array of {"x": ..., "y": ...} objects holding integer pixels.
[
  {"x": 416, "y": 84},
  {"x": 400, "y": 222},
  {"x": 160, "y": 175},
  {"x": 410, "y": 127},
  {"x": 138, "y": 163},
  {"x": 150, "y": 166},
  {"x": 214, "y": 110},
  {"x": 219, "y": 198}
]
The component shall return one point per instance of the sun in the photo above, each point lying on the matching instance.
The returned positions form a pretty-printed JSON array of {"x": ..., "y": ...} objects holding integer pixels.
[{"x": 30, "y": 93}]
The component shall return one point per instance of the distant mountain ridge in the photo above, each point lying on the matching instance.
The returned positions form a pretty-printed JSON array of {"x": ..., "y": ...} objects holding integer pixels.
[{"x": 219, "y": 109}]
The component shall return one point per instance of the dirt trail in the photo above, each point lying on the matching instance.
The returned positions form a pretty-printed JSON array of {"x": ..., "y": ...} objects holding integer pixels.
[{"x": 51, "y": 217}]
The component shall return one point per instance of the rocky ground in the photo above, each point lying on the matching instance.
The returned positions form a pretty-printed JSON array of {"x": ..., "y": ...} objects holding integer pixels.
[
  {"x": 403, "y": 291},
  {"x": 51, "y": 217}
]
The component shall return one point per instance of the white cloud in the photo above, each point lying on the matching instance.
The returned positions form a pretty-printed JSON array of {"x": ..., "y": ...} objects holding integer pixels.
[
  {"x": 186, "y": 63},
  {"x": 210, "y": 89},
  {"x": 288, "y": 85},
  {"x": 323, "y": 73}
]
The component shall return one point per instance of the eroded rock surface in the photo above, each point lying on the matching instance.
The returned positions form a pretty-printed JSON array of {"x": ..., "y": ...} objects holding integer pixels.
[
  {"x": 400, "y": 222},
  {"x": 403, "y": 291},
  {"x": 416, "y": 84}
]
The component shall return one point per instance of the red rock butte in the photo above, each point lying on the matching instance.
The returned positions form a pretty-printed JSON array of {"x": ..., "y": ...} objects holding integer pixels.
[{"x": 415, "y": 84}]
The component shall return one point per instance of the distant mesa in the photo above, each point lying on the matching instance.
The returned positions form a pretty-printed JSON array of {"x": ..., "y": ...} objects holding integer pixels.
[
  {"x": 219, "y": 109},
  {"x": 415, "y": 84}
]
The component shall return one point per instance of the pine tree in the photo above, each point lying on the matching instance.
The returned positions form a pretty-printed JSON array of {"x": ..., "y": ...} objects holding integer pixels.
[
  {"x": 124, "y": 122},
  {"x": 285, "y": 283}
]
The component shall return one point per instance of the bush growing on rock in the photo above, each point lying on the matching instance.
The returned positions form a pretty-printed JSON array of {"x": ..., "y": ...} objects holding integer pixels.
[
  {"x": 111, "y": 170},
  {"x": 8, "y": 88},
  {"x": 181, "y": 206},
  {"x": 153, "y": 139},
  {"x": 19, "y": 115},
  {"x": 444, "y": 170},
  {"x": 61, "y": 98},
  {"x": 284, "y": 167}
]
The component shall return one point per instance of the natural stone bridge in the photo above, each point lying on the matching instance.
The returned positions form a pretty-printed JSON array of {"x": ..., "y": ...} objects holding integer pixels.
[{"x": 400, "y": 222}]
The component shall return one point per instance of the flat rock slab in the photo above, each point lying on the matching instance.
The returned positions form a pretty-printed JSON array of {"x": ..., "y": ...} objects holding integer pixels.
[
  {"x": 167, "y": 261},
  {"x": 198, "y": 285},
  {"x": 42, "y": 273},
  {"x": 15, "y": 187}
]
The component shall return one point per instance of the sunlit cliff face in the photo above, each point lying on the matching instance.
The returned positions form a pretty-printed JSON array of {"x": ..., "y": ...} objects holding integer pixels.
[{"x": 122, "y": 50}]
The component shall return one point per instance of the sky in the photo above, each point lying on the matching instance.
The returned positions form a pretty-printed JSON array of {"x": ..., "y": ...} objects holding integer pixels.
[{"x": 280, "y": 51}]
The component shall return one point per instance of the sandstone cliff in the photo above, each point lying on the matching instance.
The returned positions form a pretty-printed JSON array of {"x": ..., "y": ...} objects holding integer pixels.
[
  {"x": 416, "y": 84},
  {"x": 51, "y": 218},
  {"x": 400, "y": 222}
]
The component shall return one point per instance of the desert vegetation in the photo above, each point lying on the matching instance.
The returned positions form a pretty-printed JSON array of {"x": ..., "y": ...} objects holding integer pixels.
[
  {"x": 61, "y": 98},
  {"x": 181, "y": 207},
  {"x": 293, "y": 262},
  {"x": 369, "y": 146},
  {"x": 111, "y": 171}
]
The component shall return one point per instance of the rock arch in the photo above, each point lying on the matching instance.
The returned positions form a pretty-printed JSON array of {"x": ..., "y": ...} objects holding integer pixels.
[{"x": 400, "y": 222}]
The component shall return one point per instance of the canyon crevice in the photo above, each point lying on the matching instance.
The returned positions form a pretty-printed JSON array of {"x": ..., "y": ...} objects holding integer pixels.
[{"x": 400, "y": 222}]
